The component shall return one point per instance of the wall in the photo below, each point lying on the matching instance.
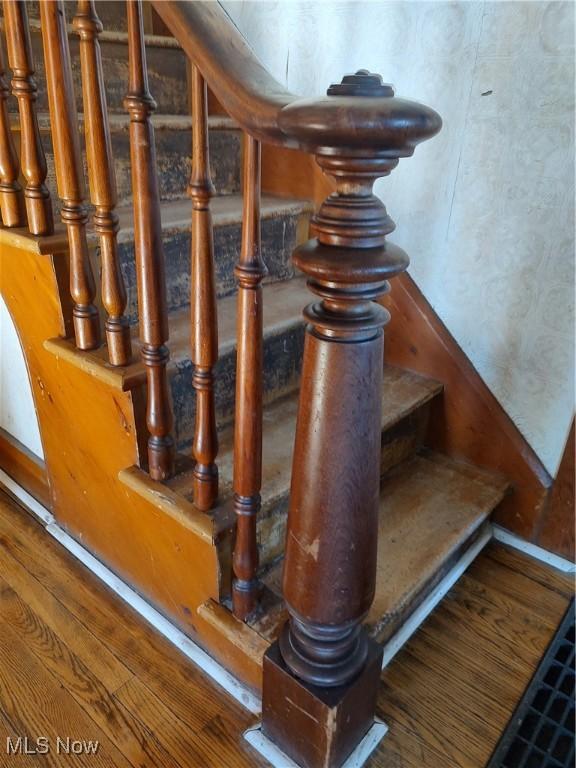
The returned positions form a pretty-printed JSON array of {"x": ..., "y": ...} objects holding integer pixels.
[
  {"x": 486, "y": 209},
  {"x": 17, "y": 412}
]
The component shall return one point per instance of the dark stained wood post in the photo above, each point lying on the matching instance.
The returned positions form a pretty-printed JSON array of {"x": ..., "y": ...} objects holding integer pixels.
[
  {"x": 11, "y": 198},
  {"x": 321, "y": 678},
  {"x": 203, "y": 304},
  {"x": 32, "y": 159},
  {"x": 102, "y": 181},
  {"x": 250, "y": 272},
  {"x": 69, "y": 171},
  {"x": 149, "y": 252}
]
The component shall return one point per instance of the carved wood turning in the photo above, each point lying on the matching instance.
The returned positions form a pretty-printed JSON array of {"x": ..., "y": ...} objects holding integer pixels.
[
  {"x": 102, "y": 181},
  {"x": 149, "y": 252},
  {"x": 32, "y": 159},
  {"x": 250, "y": 272},
  {"x": 69, "y": 171},
  {"x": 331, "y": 542},
  {"x": 203, "y": 304},
  {"x": 11, "y": 198}
]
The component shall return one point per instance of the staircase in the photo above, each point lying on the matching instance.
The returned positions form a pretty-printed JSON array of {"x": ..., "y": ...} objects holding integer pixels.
[{"x": 432, "y": 509}]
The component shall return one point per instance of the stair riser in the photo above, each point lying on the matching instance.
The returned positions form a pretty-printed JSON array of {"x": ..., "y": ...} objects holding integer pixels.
[
  {"x": 281, "y": 369},
  {"x": 167, "y": 74},
  {"x": 279, "y": 239},
  {"x": 173, "y": 153},
  {"x": 399, "y": 443}
]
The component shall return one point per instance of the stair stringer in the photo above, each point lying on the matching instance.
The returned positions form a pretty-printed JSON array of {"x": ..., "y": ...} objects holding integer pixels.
[{"x": 89, "y": 424}]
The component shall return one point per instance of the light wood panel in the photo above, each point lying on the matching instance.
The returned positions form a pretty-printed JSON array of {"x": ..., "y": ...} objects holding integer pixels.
[{"x": 158, "y": 549}]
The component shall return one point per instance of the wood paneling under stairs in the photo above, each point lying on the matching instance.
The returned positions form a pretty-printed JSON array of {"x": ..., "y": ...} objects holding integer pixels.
[{"x": 75, "y": 661}]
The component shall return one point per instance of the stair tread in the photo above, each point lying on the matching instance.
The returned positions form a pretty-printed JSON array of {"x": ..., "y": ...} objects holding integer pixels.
[
  {"x": 119, "y": 121},
  {"x": 283, "y": 305},
  {"x": 116, "y": 36},
  {"x": 403, "y": 392},
  {"x": 430, "y": 507},
  {"x": 225, "y": 209}
]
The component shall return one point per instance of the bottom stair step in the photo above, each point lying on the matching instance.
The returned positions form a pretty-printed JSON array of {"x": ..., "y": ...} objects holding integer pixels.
[{"x": 431, "y": 510}]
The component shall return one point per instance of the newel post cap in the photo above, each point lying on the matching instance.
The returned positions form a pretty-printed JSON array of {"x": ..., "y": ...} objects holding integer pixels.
[{"x": 360, "y": 113}]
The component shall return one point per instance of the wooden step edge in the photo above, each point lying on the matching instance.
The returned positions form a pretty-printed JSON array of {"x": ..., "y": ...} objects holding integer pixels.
[
  {"x": 95, "y": 363},
  {"x": 226, "y": 210},
  {"x": 236, "y": 632},
  {"x": 115, "y": 36},
  {"x": 384, "y": 629},
  {"x": 495, "y": 480},
  {"x": 41, "y": 245},
  {"x": 120, "y": 123},
  {"x": 124, "y": 378},
  {"x": 170, "y": 502},
  {"x": 400, "y": 381}
]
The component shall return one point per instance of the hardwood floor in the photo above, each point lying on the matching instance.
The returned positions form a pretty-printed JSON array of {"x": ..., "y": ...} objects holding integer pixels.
[{"x": 77, "y": 662}]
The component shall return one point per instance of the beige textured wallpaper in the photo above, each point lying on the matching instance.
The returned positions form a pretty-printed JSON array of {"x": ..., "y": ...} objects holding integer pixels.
[{"x": 485, "y": 210}]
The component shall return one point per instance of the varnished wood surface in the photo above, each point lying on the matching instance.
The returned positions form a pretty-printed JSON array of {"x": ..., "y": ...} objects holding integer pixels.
[
  {"x": 32, "y": 159},
  {"x": 24, "y": 467},
  {"x": 557, "y": 523},
  {"x": 204, "y": 317},
  {"x": 149, "y": 251},
  {"x": 250, "y": 272},
  {"x": 75, "y": 661},
  {"x": 102, "y": 180},
  {"x": 69, "y": 173},
  {"x": 85, "y": 665},
  {"x": 450, "y": 692}
]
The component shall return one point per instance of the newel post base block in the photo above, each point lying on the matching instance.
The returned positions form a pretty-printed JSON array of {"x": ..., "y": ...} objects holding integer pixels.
[{"x": 315, "y": 726}]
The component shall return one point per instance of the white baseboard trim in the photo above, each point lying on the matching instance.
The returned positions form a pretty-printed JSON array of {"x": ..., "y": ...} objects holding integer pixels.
[
  {"x": 191, "y": 650},
  {"x": 423, "y": 611},
  {"x": 279, "y": 759},
  {"x": 560, "y": 563}
]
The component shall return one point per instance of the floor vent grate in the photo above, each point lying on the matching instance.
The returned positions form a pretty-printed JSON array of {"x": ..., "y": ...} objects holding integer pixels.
[{"x": 541, "y": 731}]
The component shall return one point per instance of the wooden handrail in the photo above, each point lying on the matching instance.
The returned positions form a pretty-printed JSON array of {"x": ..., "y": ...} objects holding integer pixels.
[
  {"x": 240, "y": 82},
  {"x": 268, "y": 111}
]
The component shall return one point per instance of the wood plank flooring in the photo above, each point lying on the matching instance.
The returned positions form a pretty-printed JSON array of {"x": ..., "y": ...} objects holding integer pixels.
[{"x": 77, "y": 662}]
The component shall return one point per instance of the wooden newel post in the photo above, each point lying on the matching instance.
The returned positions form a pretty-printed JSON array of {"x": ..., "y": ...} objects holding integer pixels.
[{"x": 321, "y": 677}]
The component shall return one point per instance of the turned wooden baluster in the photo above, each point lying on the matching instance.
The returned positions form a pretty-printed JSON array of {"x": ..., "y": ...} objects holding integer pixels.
[
  {"x": 69, "y": 170},
  {"x": 248, "y": 422},
  {"x": 358, "y": 133},
  {"x": 102, "y": 181},
  {"x": 11, "y": 198},
  {"x": 149, "y": 251},
  {"x": 32, "y": 159},
  {"x": 203, "y": 304}
]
